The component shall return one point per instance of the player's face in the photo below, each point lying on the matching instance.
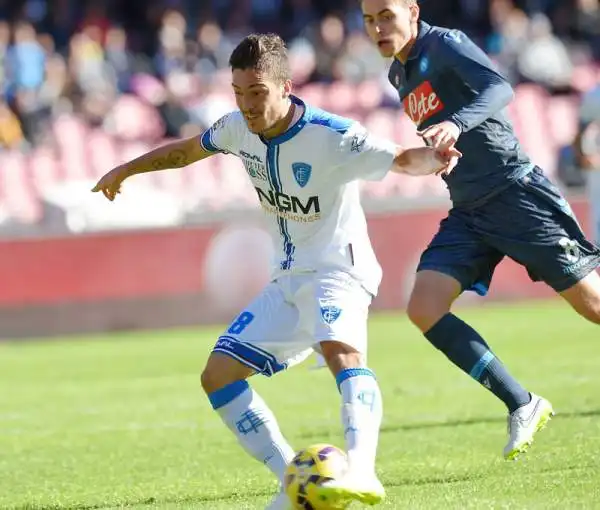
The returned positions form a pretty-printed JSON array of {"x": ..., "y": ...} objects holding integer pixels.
[
  {"x": 390, "y": 24},
  {"x": 262, "y": 100}
]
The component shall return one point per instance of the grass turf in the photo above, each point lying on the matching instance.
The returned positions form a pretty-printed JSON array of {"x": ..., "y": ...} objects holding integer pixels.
[{"x": 118, "y": 420}]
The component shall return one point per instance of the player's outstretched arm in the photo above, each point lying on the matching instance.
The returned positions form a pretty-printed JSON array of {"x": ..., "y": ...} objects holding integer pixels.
[
  {"x": 491, "y": 90},
  {"x": 172, "y": 155},
  {"x": 425, "y": 161}
]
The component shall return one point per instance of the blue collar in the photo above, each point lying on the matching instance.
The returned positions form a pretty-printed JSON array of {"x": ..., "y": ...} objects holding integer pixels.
[{"x": 295, "y": 129}]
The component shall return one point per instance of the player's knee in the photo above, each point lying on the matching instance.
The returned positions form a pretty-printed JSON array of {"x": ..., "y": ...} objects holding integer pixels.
[
  {"x": 584, "y": 297},
  {"x": 340, "y": 356},
  {"x": 210, "y": 380},
  {"x": 592, "y": 312},
  {"x": 431, "y": 299},
  {"x": 425, "y": 311},
  {"x": 222, "y": 370}
]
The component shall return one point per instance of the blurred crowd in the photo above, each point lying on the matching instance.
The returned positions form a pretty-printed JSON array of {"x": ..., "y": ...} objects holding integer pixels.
[{"x": 73, "y": 56}]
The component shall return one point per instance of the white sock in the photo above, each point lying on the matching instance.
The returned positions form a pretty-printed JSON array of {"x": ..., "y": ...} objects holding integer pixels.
[
  {"x": 362, "y": 411},
  {"x": 253, "y": 423}
]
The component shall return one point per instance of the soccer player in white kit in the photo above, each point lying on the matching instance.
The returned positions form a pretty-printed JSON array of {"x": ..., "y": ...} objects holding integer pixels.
[
  {"x": 305, "y": 164},
  {"x": 587, "y": 146}
]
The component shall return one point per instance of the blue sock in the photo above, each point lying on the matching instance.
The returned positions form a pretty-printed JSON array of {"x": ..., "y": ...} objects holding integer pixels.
[{"x": 468, "y": 351}]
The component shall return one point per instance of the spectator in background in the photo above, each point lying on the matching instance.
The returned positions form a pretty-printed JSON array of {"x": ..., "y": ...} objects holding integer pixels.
[
  {"x": 185, "y": 44},
  {"x": 171, "y": 54},
  {"x": 328, "y": 36},
  {"x": 119, "y": 57},
  {"x": 95, "y": 20},
  {"x": 587, "y": 150},
  {"x": 25, "y": 60},
  {"x": 11, "y": 135},
  {"x": 212, "y": 49},
  {"x": 508, "y": 36},
  {"x": 60, "y": 22},
  {"x": 25, "y": 70},
  {"x": 4, "y": 45},
  {"x": 359, "y": 61},
  {"x": 587, "y": 24},
  {"x": 544, "y": 59}
]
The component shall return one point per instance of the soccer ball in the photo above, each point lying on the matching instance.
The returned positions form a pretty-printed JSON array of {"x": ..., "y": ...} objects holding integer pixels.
[{"x": 310, "y": 468}]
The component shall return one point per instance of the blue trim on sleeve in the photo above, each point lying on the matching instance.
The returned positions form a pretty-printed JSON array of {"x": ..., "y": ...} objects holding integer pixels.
[
  {"x": 329, "y": 120},
  {"x": 207, "y": 143}
]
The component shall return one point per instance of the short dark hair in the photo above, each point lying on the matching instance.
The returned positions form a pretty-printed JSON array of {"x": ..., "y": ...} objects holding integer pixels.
[{"x": 265, "y": 53}]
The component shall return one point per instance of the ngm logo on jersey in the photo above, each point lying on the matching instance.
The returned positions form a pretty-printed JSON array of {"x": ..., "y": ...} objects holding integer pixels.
[
  {"x": 290, "y": 207},
  {"x": 254, "y": 166}
]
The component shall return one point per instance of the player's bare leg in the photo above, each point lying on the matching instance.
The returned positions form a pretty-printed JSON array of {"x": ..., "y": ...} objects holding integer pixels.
[
  {"x": 361, "y": 418},
  {"x": 429, "y": 309},
  {"x": 247, "y": 415},
  {"x": 584, "y": 297}
]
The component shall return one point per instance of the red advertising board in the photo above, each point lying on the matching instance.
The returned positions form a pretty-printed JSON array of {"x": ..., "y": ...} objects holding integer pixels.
[{"x": 219, "y": 266}]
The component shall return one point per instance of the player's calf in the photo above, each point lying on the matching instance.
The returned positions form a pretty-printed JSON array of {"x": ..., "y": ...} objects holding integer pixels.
[
  {"x": 584, "y": 297},
  {"x": 429, "y": 309},
  {"x": 361, "y": 414},
  {"x": 245, "y": 413}
]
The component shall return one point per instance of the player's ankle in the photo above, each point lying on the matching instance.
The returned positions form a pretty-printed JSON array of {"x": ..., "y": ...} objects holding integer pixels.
[{"x": 360, "y": 464}]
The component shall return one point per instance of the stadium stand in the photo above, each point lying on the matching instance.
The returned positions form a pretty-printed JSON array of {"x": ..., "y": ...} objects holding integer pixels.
[{"x": 89, "y": 85}]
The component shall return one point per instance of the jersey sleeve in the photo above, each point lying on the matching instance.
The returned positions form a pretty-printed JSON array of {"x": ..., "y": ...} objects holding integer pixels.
[
  {"x": 224, "y": 135},
  {"x": 491, "y": 90},
  {"x": 362, "y": 155}
]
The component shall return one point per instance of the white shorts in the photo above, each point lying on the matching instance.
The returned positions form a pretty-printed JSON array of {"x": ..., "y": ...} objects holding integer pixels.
[{"x": 284, "y": 324}]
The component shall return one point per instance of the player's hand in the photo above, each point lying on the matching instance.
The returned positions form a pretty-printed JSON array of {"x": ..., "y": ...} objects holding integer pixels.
[
  {"x": 589, "y": 148},
  {"x": 450, "y": 156},
  {"x": 442, "y": 135},
  {"x": 110, "y": 184},
  {"x": 427, "y": 161}
]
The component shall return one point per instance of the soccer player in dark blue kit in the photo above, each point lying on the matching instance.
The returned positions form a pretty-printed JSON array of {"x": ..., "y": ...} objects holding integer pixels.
[{"x": 503, "y": 205}]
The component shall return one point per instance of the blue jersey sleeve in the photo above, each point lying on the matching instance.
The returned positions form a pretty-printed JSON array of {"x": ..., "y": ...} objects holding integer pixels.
[{"x": 491, "y": 92}]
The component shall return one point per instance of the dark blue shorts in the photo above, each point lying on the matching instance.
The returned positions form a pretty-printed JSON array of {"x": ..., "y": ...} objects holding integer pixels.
[{"x": 530, "y": 222}]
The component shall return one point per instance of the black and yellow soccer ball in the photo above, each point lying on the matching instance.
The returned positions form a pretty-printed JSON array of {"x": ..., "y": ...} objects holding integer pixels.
[{"x": 308, "y": 469}]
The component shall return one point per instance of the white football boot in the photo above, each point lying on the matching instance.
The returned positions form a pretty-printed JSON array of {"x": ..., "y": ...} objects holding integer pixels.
[{"x": 524, "y": 423}]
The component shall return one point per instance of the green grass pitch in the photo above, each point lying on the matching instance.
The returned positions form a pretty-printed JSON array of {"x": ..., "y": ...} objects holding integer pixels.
[{"x": 119, "y": 421}]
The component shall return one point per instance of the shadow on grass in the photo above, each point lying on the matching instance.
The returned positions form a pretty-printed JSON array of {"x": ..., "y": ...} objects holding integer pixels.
[
  {"x": 324, "y": 433},
  {"x": 424, "y": 425}
]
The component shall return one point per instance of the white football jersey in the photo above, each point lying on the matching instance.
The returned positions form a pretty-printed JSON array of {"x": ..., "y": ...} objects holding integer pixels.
[{"x": 307, "y": 183}]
